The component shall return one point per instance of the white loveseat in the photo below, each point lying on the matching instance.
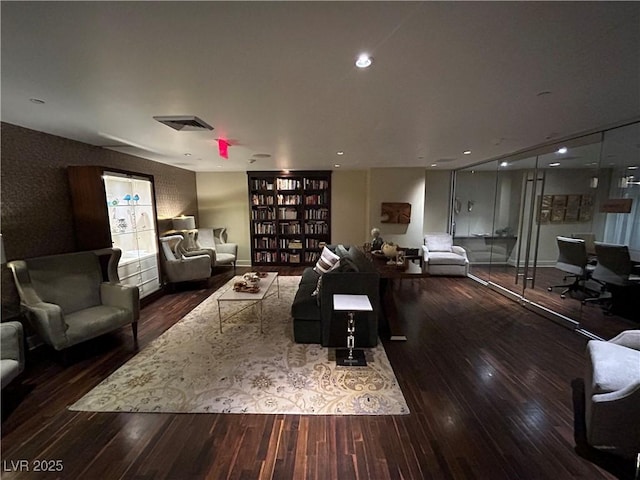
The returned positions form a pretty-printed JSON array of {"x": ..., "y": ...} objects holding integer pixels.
[{"x": 441, "y": 257}]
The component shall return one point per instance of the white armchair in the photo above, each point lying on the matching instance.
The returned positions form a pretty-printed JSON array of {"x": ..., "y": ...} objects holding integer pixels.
[
  {"x": 612, "y": 393},
  {"x": 441, "y": 257},
  {"x": 222, "y": 253},
  {"x": 179, "y": 267}
]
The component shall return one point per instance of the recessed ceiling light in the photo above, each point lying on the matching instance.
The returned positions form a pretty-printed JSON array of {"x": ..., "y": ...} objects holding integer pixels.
[
  {"x": 434, "y": 164},
  {"x": 554, "y": 164},
  {"x": 467, "y": 152},
  {"x": 337, "y": 165},
  {"x": 364, "y": 61},
  {"x": 633, "y": 167},
  {"x": 187, "y": 154},
  {"x": 504, "y": 164},
  {"x": 37, "y": 101},
  {"x": 340, "y": 153},
  {"x": 562, "y": 150}
]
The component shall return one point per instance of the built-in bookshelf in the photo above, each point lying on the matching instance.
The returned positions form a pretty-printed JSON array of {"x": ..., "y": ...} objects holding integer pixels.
[{"x": 290, "y": 216}]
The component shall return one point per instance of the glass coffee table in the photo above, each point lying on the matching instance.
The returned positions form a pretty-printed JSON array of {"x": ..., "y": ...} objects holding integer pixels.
[{"x": 231, "y": 295}]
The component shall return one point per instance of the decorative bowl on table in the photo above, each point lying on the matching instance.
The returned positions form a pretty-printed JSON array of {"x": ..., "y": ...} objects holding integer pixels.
[{"x": 390, "y": 250}]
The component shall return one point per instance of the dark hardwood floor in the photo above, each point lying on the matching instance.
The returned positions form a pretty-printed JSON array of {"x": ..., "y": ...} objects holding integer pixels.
[{"x": 492, "y": 390}]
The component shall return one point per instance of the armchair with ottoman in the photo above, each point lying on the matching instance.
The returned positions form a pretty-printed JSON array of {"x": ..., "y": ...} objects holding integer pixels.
[
  {"x": 314, "y": 320},
  {"x": 441, "y": 257},
  {"x": 612, "y": 394},
  {"x": 67, "y": 299}
]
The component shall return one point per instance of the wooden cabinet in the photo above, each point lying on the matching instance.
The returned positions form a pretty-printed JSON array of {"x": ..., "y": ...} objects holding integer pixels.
[
  {"x": 290, "y": 216},
  {"x": 117, "y": 208}
]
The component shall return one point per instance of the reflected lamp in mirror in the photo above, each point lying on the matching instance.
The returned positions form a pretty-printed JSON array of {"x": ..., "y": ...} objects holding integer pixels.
[{"x": 184, "y": 222}]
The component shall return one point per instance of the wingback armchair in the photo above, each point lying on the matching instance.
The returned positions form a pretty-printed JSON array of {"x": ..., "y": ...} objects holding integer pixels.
[
  {"x": 441, "y": 257},
  {"x": 67, "y": 301},
  {"x": 183, "y": 266},
  {"x": 612, "y": 393},
  {"x": 11, "y": 351},
  {"x": 222, "y": 253}
]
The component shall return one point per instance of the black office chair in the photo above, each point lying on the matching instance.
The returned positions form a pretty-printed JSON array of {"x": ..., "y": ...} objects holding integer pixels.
[
  {"x": 572, "y": 259},
  {"x": 614, "y": 270}
]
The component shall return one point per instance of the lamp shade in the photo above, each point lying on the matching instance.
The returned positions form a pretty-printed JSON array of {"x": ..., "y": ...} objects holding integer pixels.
[{"x": 184, "y": 222}]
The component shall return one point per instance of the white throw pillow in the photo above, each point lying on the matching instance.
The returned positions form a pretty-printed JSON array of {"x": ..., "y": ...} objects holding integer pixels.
[
  {"x": 439, "y": 243},
  {"x": 327, "y": 260}
]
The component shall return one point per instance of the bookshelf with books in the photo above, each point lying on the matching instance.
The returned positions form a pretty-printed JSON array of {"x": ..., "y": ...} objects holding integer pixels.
[{"x": 290, "y": 216}]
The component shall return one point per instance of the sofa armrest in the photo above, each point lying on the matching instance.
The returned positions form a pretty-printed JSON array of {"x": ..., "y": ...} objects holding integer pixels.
[
  {"x": 123, "y": 296},
  {"x": 48, "y": 320},
  {"x": 12, "y": 342},
  {"x": 459, "y": 250},
  {"x": 231, "y": 248},
  {"x": 197, "y": 267},
  {"x": 614, "y": 419},
  {"x": 425, "y": 252},
  {"x": 628, "y": 338}
]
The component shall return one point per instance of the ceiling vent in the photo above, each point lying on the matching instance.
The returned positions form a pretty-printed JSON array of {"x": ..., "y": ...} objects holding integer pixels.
[{"x": 186, "y": 123}]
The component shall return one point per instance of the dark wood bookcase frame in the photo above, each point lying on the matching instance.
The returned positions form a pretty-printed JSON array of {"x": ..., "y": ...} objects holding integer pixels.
[{"x": 290, "y": 216}]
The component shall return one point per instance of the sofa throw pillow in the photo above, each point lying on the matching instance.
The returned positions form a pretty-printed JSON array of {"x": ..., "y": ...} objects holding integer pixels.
[
  {"x": 327, "y": 260},
  {"x": 341, "y": 251},
  {"x": 438, "y": 243}
]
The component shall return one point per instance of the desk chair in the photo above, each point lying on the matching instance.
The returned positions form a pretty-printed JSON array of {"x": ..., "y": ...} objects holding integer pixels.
[
  {"x": 614, "y": 271},
  {"x": 572, "y": 259}
]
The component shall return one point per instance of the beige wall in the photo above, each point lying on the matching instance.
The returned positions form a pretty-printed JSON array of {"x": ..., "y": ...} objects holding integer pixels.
[
  {"x": 398, "y": 185},
  {"x": 436, "y": 202},
  {"x": 349, "y": 207},
  {"x": 223, "y": 201}
]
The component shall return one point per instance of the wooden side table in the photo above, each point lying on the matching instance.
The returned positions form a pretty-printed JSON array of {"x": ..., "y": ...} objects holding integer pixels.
[{"x": 351, "y": 357}]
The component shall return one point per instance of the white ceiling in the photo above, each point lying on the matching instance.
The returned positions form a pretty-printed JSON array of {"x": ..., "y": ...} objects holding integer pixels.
[{"x": 279, "y": 78}]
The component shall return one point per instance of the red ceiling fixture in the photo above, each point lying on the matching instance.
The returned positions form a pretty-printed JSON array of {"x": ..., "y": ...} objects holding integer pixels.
[{"x": 223, "y": 148}]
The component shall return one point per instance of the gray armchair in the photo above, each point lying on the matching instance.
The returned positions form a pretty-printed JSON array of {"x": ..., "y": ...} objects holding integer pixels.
[
  {"x": 12, "y": 351},
  {"x": 182, "y": 266},
  {"x": 67, "y": 301},
  {"x": 612, "y": 393},
  {"x": 222, "y": 253},
  {"x": 441, "y": 257}
]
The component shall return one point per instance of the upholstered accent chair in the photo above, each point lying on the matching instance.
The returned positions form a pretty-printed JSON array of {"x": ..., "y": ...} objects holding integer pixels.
[
  {"x": 441, "y": 257},
  {"x": 67, "y": 299},
  {"x": 181, "y": 266},
  {"x": 11, "y": 352},
  {"x": 612, "y": 393},
  {"x": 222, "y": 253}
]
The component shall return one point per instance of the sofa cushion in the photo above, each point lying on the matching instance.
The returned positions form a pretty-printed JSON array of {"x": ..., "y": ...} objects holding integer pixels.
[
  {"x": 309, "y": 276},
  {"x": 360, "y": 260},
  {"x": 438, "y": 243},
  {"x": 446, "y": 258},
  {"x": 327, "y": 260},
  {"x": 341, "y": 251},
  {"x": 614, "y": 366}
]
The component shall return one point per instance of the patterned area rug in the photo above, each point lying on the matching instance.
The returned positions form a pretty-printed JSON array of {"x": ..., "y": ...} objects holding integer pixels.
[{"x": 193, "y": 368}]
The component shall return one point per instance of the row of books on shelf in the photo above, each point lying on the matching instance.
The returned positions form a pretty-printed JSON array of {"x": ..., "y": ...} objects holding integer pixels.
[
  {"x": 264, "y": 242},
  {"x": 314, "y": 243},
  {"x": 291, "y": 244},
  {"x": 261, "y": 184},
  {"x": 316, "y": 199},
  {"x": 284, "y": 257},
  {"x": 290, "y": 228},
  {"x": 288, "y": 213},
  {"x": 316, "y": 214},
  {"x": 263, "y": 214},
  {"x": 260, "y": 199},
  {"x": 312, "y": 184},
  {"x": 287, "y": 183},
  {"x": 316, "y": 228},
  {"x": 264, "y": 229}
]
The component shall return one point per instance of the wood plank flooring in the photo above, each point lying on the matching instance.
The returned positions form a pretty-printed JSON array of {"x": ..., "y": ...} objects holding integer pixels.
[{"x": 492, "y": 390}]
